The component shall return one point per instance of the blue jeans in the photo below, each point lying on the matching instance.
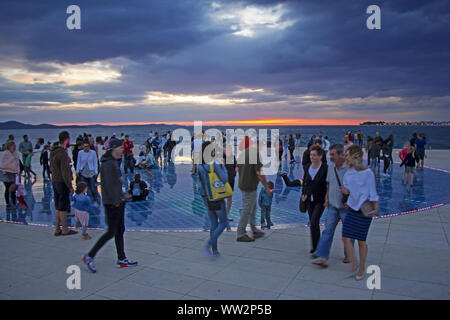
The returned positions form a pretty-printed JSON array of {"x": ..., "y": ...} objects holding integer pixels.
[
  {"x": 333, "y": 216},
  {"x": 219, "y": 222},
  {"x": 92, "y": 189},
  {"x": 265, "y": 215}
]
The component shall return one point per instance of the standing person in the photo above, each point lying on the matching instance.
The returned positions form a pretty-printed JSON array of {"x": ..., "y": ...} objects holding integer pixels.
[
  {"x": 360, "y": 138},
  {"x": 298, "y": 141},
  {"x": 196, "y": 152},
  {"x": 314, "y": 192},
  {"x": 112, "y": 196},
  {"x": 311, "y": 141},
  {"x": 231, "y": 167},
  {"x": 128, "y": 146},
  {"x": 334, "y": 203},
  {"x": 291, "y": 147},
  {"x": 386, "y": 153},
  {"x": 359, "y": 184},
  {"x": 44, "y": 160},
  {"x": 249, "y": 177},
  {"x": 420, "y": 146},
  {"x": 9, "y": 168},
  {"x": 76, "y": 149},
  {"x": 62, "y": 183},
  {"x": 216, "y": 209},
  {"x": 280, "y": 150},
  {"x": 156, "y": 145},
  {"x": 347, "y": 142},
  {"x": 326, "y": 145},
  {"x": 390, "y": 142},
  {"x": 285, "y": 146},
  {"x": 105, "y": 143},
  {"x": 87, "y": 170},
  {"x": 265, "y": 203},
  {"x": 374, "y": 152},
  {"x": 408, "y": 160}
]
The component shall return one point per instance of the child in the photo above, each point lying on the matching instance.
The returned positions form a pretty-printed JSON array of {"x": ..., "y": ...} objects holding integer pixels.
[
  {"x": 409, "y": 162},
  {"x": 404, "y": 152},
  {"x": 27, "y": 165},
  {"x": 81, "y": 205},
  {"x": 265, "y": 203},
  {"x": 20, "y": 191}
]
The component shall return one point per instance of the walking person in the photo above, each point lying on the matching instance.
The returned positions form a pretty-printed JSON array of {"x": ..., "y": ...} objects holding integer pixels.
[
  {"x": 62, "y": 183},
  {"x": 114, "y": 204},
  {"x": 333, "y": 203},
  {"x": 82, "y": 204},
  {"x": 249, "y": 177},
  {"x": 359, "y": 185},
  {"x": 9, "y": 168},
  {"x": 216, "y": 209},
  {"x": 27, "y": 166},
  {"x": 314, "y": 192},
  {"x": 24, "y": 148},
  {"x": 87, "y": 170}
]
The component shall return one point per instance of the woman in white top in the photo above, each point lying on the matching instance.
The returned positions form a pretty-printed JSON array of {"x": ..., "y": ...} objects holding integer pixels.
[{"x": 359, "y": 185}]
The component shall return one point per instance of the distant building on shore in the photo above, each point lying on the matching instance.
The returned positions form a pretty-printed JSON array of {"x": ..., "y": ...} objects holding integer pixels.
[{"x": 406, "y": 123}]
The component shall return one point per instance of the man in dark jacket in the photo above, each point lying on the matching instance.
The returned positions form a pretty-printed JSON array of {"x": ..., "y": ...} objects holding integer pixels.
[
  {"x": 113, "y": 201},
  {"x": 62, "y": 183}
]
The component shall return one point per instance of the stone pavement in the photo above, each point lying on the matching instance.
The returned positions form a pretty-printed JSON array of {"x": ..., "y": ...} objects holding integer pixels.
[{"x": 412, "y": 251}]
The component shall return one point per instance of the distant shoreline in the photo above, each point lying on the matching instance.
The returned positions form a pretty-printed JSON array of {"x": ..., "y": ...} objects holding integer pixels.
[{"x": 15, "y": 125}]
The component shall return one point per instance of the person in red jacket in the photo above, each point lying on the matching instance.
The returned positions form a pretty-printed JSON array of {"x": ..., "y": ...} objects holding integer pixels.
[{"x": 128, "y": 155}]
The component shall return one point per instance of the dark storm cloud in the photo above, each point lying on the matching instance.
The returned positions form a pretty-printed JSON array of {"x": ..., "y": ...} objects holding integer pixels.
[{"x": 175, "y": 47}]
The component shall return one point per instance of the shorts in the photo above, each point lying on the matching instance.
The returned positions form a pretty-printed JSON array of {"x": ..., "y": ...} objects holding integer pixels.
[
  {"x": 421, "y": 155},
  {"x": 61, "y": 194},
  {"x": 409, "y": 170}
]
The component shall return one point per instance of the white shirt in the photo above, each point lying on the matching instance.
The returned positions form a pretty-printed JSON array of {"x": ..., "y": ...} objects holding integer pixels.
[
  {"x": 361, "y": 185},
  {"x": 326, "y": 146},
  {"x": 313, "y": 172},
  {"x": 89, "y": 158}
]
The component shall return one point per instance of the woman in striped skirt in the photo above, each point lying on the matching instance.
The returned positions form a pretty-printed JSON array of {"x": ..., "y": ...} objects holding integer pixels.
[{"x": 359, "y": 185}]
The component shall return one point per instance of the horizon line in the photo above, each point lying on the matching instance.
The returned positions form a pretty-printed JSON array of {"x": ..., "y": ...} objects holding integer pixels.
[{"x": 268, "y": 122}]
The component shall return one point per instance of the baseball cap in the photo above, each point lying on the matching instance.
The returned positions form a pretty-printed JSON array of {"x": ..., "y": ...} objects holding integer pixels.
[{"x": 114, "y": 143}]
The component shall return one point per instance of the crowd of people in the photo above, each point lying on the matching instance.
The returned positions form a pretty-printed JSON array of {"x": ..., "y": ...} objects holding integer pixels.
[{"x": 344, "y": 185}]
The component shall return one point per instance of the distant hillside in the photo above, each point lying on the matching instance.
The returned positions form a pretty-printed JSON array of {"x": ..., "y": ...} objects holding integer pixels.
[{"x": 14, "y": 125}]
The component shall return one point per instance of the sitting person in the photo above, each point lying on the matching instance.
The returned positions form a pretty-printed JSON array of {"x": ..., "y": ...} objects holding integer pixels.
[
  {"x": 138, "y": 189},
  {"x": 141, "y": 160}
]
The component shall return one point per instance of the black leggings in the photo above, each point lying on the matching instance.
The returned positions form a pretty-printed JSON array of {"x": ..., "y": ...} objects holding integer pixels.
[
  {"x": 315, "y": 210},
  {"x": 289, "y": 183},
  {"x": 386, "y": 162},
  {"x": 7, "y": 193},
  {"x": 115, "y": 218},
  {"x": 291, "y": 151}
]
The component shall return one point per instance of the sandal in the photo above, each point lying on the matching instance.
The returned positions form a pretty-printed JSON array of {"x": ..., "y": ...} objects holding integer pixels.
[
  {"x": 71, "y": 232},
  {"x": 320, "y": 263},
  {"x": 58, "y": 233},
  {"x": 345, "y": 260}
]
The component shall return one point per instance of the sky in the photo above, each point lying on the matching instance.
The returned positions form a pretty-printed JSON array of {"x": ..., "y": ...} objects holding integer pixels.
[{"x": 232, "y": 62}]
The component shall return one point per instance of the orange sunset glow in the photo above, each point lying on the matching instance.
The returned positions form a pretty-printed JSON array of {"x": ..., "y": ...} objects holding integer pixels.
[{"x": 264, "y": 122}]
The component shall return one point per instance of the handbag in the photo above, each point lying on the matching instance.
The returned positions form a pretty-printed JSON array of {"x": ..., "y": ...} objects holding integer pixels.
[
  {"x": 366, "y": 208},
  {"x": 344, "y": 196},
  {"x": 302, "y": 205},
  {"x": 217, "y": 189}
]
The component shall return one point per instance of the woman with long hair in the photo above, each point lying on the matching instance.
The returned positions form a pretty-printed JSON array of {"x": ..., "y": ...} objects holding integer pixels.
[{"x": 359, "y": 185}]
